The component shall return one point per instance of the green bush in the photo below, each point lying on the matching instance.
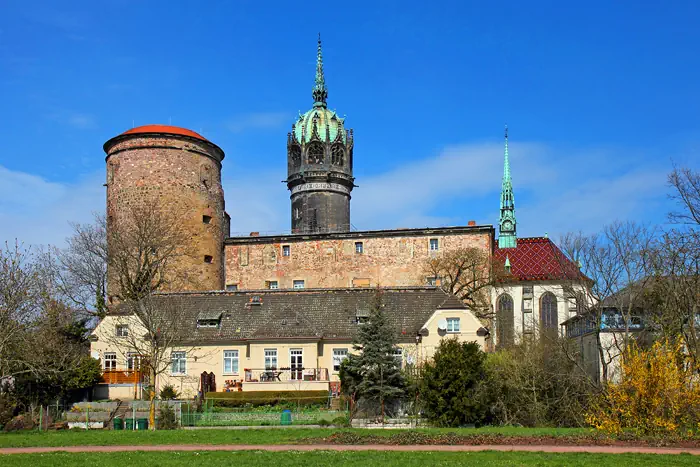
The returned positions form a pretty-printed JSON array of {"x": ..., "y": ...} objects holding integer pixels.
[
  {"x": 343, "y": 421},
  {"x": 167, "y": 419},
  {"x": 258, "y": 398},
  {"x": 169, "y": 393}
]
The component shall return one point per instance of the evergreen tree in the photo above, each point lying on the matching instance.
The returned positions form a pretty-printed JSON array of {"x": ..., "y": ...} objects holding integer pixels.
[
  {"x": 452, "y": 382},
  {"x": 372, "y": 374}
]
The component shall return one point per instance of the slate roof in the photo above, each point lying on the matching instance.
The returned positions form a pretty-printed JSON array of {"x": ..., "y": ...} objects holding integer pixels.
[
  {"x": 302, "y": 314},
  {"x": 537, "y": 259}
]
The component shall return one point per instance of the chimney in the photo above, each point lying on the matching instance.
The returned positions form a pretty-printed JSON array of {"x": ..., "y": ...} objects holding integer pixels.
[
  {"x": 471, "y": 223},
  {"x": 255, "y": 234}
]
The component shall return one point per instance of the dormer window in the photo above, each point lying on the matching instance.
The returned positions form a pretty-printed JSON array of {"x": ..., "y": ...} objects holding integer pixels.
[
  {"x": 361, "y": 316},
  {"x": 256, "y": 300},
  {"x": 210, "y": 319}
]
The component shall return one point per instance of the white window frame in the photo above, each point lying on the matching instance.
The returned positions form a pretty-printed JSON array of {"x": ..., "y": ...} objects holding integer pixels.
[
  {"x": 299, "y": 282},
  {"x": 339, "y": 355},
  {"x": 133, "y": 361},
  {"x": 178, "y": 362},
  {"x": 232, "y": 287},
  {"x": 231, "y": 357},
  {"x": 434, "y": 244},
  {"x": 270, "y": 359},
  {"x": 273, "y": 285},
  {"x": 451, "y": 328},
  {"x": 359, "y": 248},
  {"x": 112, "y": 358},
  {"x": 286, "y": 250},
  {"x": 121, "y": 330}
]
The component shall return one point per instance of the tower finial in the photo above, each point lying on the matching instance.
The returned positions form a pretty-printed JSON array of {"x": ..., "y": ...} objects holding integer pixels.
[
  {"x": 507, "y": 237},
  {"x": 320, "y": 93}
]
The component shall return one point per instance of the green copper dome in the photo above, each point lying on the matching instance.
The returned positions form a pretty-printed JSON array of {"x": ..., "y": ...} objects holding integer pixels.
[{"x": 320, "y": 124}]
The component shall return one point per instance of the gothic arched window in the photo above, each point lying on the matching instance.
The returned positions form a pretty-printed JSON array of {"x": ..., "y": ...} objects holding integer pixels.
[
  {"x": 295, "y": 154},
  {"x": 549, "y": 314},
  {"x": 337, "y": 155},
  {"x": 504, "y": 320},
  {"x": 314, "y": 153}
]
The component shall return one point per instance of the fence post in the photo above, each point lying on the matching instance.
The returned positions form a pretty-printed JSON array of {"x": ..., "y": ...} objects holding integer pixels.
[
  {"x": 41, "y": 412},
  {"x": 87, "y": 418}
]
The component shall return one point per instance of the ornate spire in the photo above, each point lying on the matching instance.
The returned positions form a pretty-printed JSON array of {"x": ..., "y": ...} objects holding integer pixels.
[
  {"x": 320, "y": 93},
  {"x": 507, "y": 237}
]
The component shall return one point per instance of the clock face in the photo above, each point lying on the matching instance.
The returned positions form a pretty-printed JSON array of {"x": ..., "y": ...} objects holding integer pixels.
[{"x": 507, "y": 225}]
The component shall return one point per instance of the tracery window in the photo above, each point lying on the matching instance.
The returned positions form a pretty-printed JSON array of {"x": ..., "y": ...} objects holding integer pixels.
[
  {"x": 549, "y": 315},
  {"x": 337, "y": 155},
  {"x": 315, "y": 153},
  {"x": 504, "y": 320},
  {"x": 295, "y": 154}
]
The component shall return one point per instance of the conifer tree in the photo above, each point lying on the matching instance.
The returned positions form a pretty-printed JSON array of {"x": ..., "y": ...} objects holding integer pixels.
[{"x": 372, "y": 374}]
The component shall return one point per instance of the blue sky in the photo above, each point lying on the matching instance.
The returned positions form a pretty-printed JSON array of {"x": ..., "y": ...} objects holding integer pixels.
[{"x": 600, "y": 98}]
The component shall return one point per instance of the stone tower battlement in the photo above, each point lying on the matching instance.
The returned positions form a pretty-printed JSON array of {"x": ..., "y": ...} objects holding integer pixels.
[{"x": 181, "y": 171}]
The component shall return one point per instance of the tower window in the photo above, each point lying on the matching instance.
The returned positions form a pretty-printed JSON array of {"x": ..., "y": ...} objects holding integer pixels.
[
  {"x": 286, "y": 250},
  {"x": 315, "y": 153},
  {"x": 295, "y": 154},
  {"x": 359, "y": 248},
  {"x": 298, "y": 284},
  {"x": 272, "y": 285},
  {"x": 232, "y": 287},
  {"x": 208, "y": 259},
  {"x": 337, "y": 155},
  {"x": 434, "y": 245},
  {"x": 206, "y": 219}
]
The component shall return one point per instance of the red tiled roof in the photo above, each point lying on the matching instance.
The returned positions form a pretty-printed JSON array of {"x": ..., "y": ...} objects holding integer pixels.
[
  {"x": 537, "y": 259},
  {"x": 166, "y": 129}
]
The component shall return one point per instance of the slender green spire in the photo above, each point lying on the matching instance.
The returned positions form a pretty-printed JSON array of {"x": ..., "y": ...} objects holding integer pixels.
[
  {"x": 320, "y": 93},
  {"x": 507, "y": 237}
]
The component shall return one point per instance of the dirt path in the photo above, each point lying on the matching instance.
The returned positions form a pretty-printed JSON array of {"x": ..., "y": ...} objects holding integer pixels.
[{"x": 360, "y": 447}]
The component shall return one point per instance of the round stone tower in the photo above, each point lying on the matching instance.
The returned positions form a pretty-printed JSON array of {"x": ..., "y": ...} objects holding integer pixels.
[
  {"x": 319, "y": 165},
  {"x": 179, "y": 171}
]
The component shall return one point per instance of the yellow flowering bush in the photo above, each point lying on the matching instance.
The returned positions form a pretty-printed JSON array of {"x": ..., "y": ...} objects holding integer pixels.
[{"x": 657, "y": 395}]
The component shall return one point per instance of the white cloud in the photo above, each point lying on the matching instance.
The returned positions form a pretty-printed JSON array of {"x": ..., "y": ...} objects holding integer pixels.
[
  {"x": 258, "y": 121},
  {"x": 556, "y": 191},
  {"x": 78, "y": 120},
  {"x": 36, "y": 211}
]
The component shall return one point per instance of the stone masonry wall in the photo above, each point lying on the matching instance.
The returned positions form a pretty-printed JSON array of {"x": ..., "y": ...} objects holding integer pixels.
[
  {"x": 387, "y": 259},
  {"x": 184, "y": 176}
]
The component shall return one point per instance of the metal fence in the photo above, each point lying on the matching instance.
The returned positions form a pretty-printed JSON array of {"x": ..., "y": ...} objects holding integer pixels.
[{"x": 269, "y": 417}]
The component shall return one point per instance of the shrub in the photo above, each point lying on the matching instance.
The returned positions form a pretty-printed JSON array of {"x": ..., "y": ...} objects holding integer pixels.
[
  {"x": 169, "y": 393},
  {"x": 167, "y": 419},
  {"x": 450, "y": 384},
  {"x": 278, "y": 398},
  {"x": 656, "y": 395},
  {"x": 343, "y": 421}
]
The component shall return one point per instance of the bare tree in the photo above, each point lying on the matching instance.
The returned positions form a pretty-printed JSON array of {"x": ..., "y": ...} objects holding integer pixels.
[
  {"x": 81, "y": 267},
  {"x": 467, "y": 273},
  {"x": 686, "y": 185},
  {"x": 145, "y": 245},
  {"x": 616, "y": 267}
]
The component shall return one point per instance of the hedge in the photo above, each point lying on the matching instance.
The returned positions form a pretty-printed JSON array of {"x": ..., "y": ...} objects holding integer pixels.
[{"x": 241, "y": 398}]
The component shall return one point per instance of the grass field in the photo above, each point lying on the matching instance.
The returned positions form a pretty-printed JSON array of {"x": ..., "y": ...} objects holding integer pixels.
[
  {"x": 255, "y": 436},
  {"x": 337, "y": 459}
]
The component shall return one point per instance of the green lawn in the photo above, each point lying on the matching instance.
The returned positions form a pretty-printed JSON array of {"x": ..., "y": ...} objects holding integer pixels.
[
  {"x": 336, "y": 459},
  {"x": 254, "y": 436}
]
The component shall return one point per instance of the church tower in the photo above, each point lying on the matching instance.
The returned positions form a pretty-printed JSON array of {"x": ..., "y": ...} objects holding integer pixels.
[
  {"x": 507, "y": 237},
  {"x": 319, "y": 165}
]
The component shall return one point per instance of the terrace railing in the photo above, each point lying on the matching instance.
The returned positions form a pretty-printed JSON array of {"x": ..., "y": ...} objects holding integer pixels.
[{"x": 285, "y": 375}]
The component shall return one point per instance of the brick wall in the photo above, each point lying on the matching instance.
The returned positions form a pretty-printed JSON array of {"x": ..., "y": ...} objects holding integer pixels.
[
  {"x": 388, "y": 258},
  {"x": 184, "y": 175}
]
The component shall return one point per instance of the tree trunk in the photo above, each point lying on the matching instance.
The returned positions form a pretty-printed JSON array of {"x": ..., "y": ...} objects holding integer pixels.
[{"x": 152, "y": 399}]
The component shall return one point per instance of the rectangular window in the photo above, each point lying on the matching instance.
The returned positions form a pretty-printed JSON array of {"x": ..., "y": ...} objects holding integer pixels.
[
  {"x": 433, "y": 281},
  {"x": 110, "y": 361},
  {"x": 132, "y": 361},
  {"x": 178, "y": 363},
  {"x": 206, "y": 219},
  {"x": 296, "y": 363},
  {"x": 452, "y": 324},
  {"x": 232, "y": 287},
  {"x": 207, "y": 323},
  {"x": 270, "y": 359},
  {"x": 398, "y": 355},
  {"x": 286, "y": 250},
  {"x": 122, "y": 330},
  {"x": 273, "y": 285},
  {"x": 338, "y": 356},
  {"x": 208, "y": 259},
  {"x": 434, "y": 246},
  {"x": 230, "y": 362},
  {"x": 359, "y": 248},
  {"x": 299, "y": 284},
  {"x": 360, "y": 282}
]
